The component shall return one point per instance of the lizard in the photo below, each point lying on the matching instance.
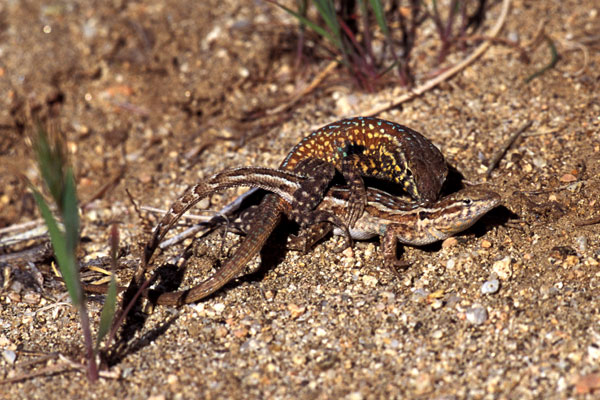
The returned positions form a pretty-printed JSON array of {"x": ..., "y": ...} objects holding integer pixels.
[
  {"x": 391, "y": 218},
  {"x": 362, "y": 146}
]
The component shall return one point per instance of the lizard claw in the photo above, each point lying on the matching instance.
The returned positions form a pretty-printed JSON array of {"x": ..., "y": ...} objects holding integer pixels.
[{"x": 395, "y": 264}]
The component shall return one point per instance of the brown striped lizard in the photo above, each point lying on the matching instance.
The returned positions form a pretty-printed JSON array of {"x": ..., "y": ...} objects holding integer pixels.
[
  {"x": 356, "y": 147},
  {"x": 394, "y": 220}
]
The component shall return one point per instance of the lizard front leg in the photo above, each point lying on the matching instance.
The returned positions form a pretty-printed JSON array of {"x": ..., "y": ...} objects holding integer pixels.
[
  {"x": 309, "y": 234},
  {"x": 319, "y": 174},
  {"x": 352, "y": 173}
]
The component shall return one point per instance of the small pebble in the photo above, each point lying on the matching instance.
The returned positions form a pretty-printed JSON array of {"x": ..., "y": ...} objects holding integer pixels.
[
  {"x": 502, "y": 268},
  {"x": 558, "y": 285},
  {"x": 581, "y": 242},
  {"x": 369, "y": 251},
  {"x": 219, "y": 308},
  {"x": 490, "y": 287},
  {"x": 345, "y": 104},
  {"x": 369, "y": 280},
  {"x": 295, "y": 310},
  {"x": 450, "y": 264},
  {"x": 355, "y": 396},
  {"x": 10, "y": 356},
  {"x": 571, "y": 260},
  {"x": 587, "y": 383},
  {"x": 4, "y": 342},
  {"x": 423, "y": 384},
  {"x": 172, "y": 379},
  {"x": 240, "y": 332},
  {"x": 145, "y": 177},
  {"x": 539, "y": 162},
  {"x": 486, "y": 244},
  {"x": 419, "y": 294},
  {"x": 476, "y": 315},
  {"x": 220, "y": 332},
  {"x": 32, "y": 298},
  {"x": 594, "y": 352},
  {"x": 566, "y": 178},
  {"x": 449, "y": 242},
  {"x": 452, "y": 300},
  {"x": 348, "y": 252},
  {"x": 298, "y": 359},
  {"x": 204, "y": 203},
  {"x": 437, "y": 304},
  {"x": 244, "y": 73}
]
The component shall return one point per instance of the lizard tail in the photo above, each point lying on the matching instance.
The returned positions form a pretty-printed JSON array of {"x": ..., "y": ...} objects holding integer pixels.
[
  {"x": 280, "y": 182},
  {"x": 255, "y": 240}
]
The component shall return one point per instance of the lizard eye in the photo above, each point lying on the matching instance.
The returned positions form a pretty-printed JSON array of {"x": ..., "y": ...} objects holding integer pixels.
[
  {"x": 422, "y": 216},
  {"x": 467, "y": 202}
]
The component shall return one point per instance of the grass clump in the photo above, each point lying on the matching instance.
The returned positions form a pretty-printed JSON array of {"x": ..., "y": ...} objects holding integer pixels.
[
  {"x": 59, "y": 179},
  {"x": 373, "y": 37}
]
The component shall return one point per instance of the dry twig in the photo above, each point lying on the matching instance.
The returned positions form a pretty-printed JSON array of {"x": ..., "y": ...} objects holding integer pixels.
[{"x": 502, "y": 150}]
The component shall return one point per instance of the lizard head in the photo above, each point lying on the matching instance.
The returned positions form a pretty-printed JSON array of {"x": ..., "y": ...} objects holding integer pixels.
[
  {"x": 427, "y": 169},
  {"x": 458, "y": 211},
  {"x": 417, "y": 165}
]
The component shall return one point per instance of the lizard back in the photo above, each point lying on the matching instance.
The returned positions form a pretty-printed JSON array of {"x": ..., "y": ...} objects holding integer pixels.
[{"x": 382, "y": 149}]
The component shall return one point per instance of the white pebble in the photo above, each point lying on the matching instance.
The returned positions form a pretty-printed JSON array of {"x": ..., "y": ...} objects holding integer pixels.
[
  {"x": 10, "y": 356},
  {"x": 219, "y": 308},
  {"x": 476, "y": 315},
  {"x": 450, "y": 264},
  {"x": 369, "y": 280},
  {"x": 581, "y": 243},
  {"x": 490, "y": 287}
]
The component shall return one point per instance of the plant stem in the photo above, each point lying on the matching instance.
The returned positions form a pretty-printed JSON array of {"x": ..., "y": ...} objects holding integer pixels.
[{"x": 89, "y": 344}]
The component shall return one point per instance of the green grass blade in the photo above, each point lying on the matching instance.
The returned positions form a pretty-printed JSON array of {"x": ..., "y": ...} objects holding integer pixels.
[
  {"x": 379, "y": 16},
  {"x": 108, "y": 310},
  {"x": 65, "y": 258},
  {"x": 50, "y": 162},
  {"x": 305, "y": 21},
  {"x": 327, "y": 12},
  {"x": 70, "y": 212}
]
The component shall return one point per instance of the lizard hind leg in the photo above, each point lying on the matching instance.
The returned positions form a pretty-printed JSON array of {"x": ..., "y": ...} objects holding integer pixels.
[
  {"x": 324, "y": 220},
  {"x": 307, "y": 237},
  {"x": 389, "y": 246}
]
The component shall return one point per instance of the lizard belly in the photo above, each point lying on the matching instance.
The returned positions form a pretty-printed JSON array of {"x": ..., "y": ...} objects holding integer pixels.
[
  {"x": 367, "y": 227},
  {"x": 356, "y": 233}
]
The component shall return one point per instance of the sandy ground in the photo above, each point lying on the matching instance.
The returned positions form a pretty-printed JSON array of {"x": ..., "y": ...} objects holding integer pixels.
[{"x": 153, "y": 96}]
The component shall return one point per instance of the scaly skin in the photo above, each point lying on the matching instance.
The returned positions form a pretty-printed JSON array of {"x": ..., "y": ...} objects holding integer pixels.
[
  {"x": 386, "y": 216},
  {"x": 357, "y": 147}
]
